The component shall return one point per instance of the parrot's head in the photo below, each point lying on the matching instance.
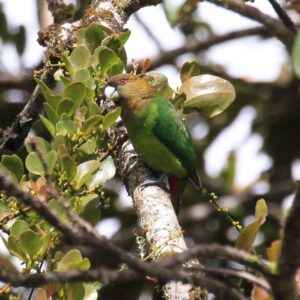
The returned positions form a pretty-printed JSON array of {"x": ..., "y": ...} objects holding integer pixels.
[{"x": 131, "y": 87}]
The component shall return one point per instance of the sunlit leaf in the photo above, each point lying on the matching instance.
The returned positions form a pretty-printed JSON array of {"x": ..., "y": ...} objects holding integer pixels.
[
  {"x": 73, "y": 260},
  {"x": 273, "y": 251},
  {"x": 30, "y": 243},
  {"x": 34, "y": 164},
  {"x": 248, "y": 234},
  {"x": 49, "y": 126},
  {"x": 85, "y": 171},
  {"x": 107, "y": 170},
  {"x": 258, "y": 293},
  {"x": 80, "y": 57},
  {"x": 207, "y": 94},
  {"x": 19, "y": 227}
]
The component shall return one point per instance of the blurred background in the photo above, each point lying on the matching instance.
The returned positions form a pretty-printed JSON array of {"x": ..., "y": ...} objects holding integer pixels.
[{"x": 248, "y": 152}]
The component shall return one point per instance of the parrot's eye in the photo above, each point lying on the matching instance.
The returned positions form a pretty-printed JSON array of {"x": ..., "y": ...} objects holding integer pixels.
[{"x": 122, "y": 81}]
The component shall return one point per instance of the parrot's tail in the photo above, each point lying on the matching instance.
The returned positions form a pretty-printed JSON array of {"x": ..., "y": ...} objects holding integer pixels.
[{"x": 174, "y": 186}]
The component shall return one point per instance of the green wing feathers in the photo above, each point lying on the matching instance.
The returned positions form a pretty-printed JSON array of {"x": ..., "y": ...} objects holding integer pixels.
[{"x": 171, "y": 131}]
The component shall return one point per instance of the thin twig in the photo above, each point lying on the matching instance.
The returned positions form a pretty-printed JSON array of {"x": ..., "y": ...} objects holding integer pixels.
[
  {"x": 274, "y": 26},
  {"x": 287, "y": 21},
  {"x": 215, "y": 250},
  {"x": 225, "y": 272},
  {"x": 149, "y": 33},
  {"x": 15, "y": 134},
  {"x": 170, "y": 56}
]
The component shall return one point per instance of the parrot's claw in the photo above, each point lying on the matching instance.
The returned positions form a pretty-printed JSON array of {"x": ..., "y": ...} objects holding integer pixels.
[{"x": 161, "y": 182}]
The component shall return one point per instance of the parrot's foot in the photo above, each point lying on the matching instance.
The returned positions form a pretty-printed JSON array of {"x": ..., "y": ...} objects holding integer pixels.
[{"x": 161, "y": 182}]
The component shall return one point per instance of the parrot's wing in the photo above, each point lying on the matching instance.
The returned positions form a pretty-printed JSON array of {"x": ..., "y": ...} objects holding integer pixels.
[{"x": 171, "y": 131}]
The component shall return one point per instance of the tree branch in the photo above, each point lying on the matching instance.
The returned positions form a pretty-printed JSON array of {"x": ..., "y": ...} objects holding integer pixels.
[
  {"x": 156, "y": 215},
  {"x": 274, "y": 26},
  {"x": 215, "y": 250},
  {"x": 289, "y": 261},
  {"x": 170, "y": 56},
  {"x": 283, "y": 16}
]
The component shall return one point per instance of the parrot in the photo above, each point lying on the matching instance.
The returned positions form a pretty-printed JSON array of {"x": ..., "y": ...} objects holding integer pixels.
[{"x": 157, "y": 131}]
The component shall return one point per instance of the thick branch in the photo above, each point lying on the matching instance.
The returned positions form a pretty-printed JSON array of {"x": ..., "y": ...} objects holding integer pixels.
[
  {"x": 289, "y": 261},
  {"x": 156, "y": 215}
]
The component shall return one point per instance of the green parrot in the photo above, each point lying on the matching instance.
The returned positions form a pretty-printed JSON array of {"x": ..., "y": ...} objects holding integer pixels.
[{"x": 156, "y": 130}]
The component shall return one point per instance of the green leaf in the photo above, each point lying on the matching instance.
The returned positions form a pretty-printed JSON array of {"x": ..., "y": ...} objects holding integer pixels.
[
  {"x": 30, "y": 243},
  {"x": 75, "y": 91},
  {"x": 94, "y": 109},
  {"x": 14, "y": 248},
  {"x": 91, "y": 291},
  {"x": 107, "y": 170},
  {"x": 65, "y": 125},
  {"x": 92, "y": 210},
  {"x": 85, "y": 170},
  {"x": 90, "y": 123},
  {"x": 80, "y": 57},
  {"x": 50, "y": 96},
  {"x": 173, "y": 10},
  {"x": 52, "y": 115},
  {"x": 110, "y": 118},
  {"x": 41, "y": 144},
  {"x": 75, "y": 291},
  {"x": 69, "y": 166},
  {"x": 51, "y": 160},
  {"x": 261, "y": 210},
  {"x": 248, "y": 234},
  {"x": 94, "y": 34},
  {"x": 296, "y": 55},
  {"x": 34, "y": 164},
  {"x": 89, "y": 147},
  {"x": 14, "y": 165},
  {"x": 84, "y": 76},
  {"x": 73, "y": 260},
  {"x": 109, "y": 61},
  {"x": 66, "y": 106},
  {"x": 189, "y": 69},
  {"x": 49, "y": 126},
  {"x": 207, "y": 94},
  {"x": 18, "y": 228},
  {"x": 274, "y": 250}
]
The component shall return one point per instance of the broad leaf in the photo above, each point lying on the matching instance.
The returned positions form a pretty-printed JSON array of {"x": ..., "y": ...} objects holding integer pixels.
[
  {"x": 207, "y": 94},
  {"x": 189, "y": 69}
]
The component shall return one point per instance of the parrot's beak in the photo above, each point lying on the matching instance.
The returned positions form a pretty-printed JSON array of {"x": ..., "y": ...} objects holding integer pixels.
[{"x": 110, "y": 91}]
